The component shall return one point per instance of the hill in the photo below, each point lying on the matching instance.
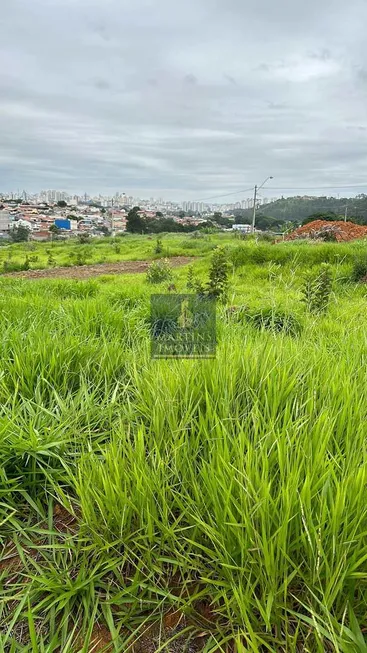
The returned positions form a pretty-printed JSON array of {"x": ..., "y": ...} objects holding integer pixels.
[{"x": 297, "y": 209}]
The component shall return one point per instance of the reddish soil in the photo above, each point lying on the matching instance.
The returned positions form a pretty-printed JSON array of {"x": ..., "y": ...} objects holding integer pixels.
[
  {"x": 100, "y": 640},
  {"x": 87, "y": 271},
  {"x": 344, "y": 231},
  {"x": 63, "y": 520},
  {"x": 171, "y": 630}
]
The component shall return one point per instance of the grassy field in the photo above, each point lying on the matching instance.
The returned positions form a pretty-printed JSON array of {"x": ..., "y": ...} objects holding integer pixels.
[
  {"x": 133, "y": 248},
  {"x": 101, "y": 250},
  {"x": 220, "y": 503}
]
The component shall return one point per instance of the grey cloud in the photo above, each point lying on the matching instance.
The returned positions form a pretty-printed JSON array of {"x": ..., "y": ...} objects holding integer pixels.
[
  {"x": 362, "y": 75},
  {"x": 161, "y": 97},
  {"x": 190, "y": 79},
  {"x": 230, "y": 79},
  {"x": 324, "y": 54},
  {"x": 101, "y": 84}
]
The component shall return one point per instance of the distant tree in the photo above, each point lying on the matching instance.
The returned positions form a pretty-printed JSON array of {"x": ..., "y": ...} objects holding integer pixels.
[
  {"x": 327, "y": 216},
  {"x": 62, "y": 204},
  {"x": 54, "y": 230},
  {"x": 220, "y": 219},
  {"x": 288, "y": 227},
  {"x": 105, "y": 230},
  {"x": 158, "y": 214},
  {"x": 267, "y": 223},
  {"x": 181, "y": 214},
  {"x": 83, "y": 237},
  {"x": 19, "y": 234},
  {"x": 217, "y": 216},
  {"x": 135, "y": 224}
]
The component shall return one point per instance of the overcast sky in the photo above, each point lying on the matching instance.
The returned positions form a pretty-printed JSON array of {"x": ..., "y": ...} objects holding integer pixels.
[{"x": 183, "y": 99}]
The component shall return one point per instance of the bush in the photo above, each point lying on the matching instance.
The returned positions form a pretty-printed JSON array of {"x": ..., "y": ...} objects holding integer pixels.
[
  {"x": 80, "y": 256},
  {"x": 218, "y": 274},
  {"x": 159, "y": 246},
  {"x": 317, "y": 288},
  {"x": 83, "y": 238},
  {"x": 265, "y": 238},
  {"x": 359, "y": 271},
  {"x": 275, "y": 320},
  {"x": 116, "y": 247},
  {"x": 159, "y": 271},
  {"x": 9, "y": 266},
  {"x": 51, "y": 260},
  {"x": 190, "y": 283}
]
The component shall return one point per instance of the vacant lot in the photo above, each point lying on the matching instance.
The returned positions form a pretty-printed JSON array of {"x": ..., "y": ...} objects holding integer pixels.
[
  {"x": 185, "y": 505},
  {"x": 89, "y": 271}
]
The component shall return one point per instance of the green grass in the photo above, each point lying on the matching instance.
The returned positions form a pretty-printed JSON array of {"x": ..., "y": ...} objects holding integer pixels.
[
  {"x": 132, "y": 248},
  {"x": 105, "y": 250},
  {"x": 238, "y": 482}
]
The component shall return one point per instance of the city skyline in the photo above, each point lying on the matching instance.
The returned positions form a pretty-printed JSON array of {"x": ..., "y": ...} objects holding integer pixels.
[
  {"x": 53, "y": 196},
  {"x": 221, "y": 200}
]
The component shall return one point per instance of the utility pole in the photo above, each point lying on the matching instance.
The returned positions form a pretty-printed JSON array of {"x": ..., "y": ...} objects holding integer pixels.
[
  {"x": 254, "y": 210},
  {"x": 346, "y": 213},
  {"x": 255, "y": 199}
]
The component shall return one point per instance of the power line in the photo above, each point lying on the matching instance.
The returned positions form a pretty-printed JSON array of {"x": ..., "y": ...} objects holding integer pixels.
[
  {"x": 318, "y": 187},
  {"x": 236, "y": 192},
  {"x": 282, "y": 188}
]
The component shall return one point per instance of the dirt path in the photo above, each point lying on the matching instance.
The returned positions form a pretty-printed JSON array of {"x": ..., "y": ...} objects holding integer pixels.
[{"x": 88, "y": 271}]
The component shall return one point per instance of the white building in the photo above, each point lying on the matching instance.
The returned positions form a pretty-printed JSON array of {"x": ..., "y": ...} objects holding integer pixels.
[
  {"x": 5, "y": 220},
  {"x": 244, "y": 228}
]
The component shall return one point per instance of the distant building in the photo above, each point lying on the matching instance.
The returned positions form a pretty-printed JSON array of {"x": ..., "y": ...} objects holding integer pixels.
[
  {"x": 5, "y": 220},
  {"x": 245, "y": 228},
  {"x": 41, "y": 235}
]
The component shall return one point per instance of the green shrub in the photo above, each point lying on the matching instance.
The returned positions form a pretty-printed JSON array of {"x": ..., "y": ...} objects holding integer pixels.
[
  {"x": 159, "y": 246},
  {"x": 359, "y": 271},
  {"x": 9, "y": 266},
  {"x": 218, "y": 274},
  {"x": 81, "y": 255},
  {"x": 317, "y": 288},
  {"x": 83, "y": 238},
  {"x": 159, "y": 271},
  {"x": 51, "y": 260},
  {"x": 275, "y": 320},
  {"x": 265, "y": 238},
  {"x": 190, "y": 283}
]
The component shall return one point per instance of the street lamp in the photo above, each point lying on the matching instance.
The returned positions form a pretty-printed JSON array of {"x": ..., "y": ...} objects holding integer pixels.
[{"x": 255, "y": 197}]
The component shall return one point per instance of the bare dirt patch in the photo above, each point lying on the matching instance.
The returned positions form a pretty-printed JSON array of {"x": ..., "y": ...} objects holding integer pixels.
[
  {"x": 173, "y": 633},
  {"x": 88, "y": 271}
]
